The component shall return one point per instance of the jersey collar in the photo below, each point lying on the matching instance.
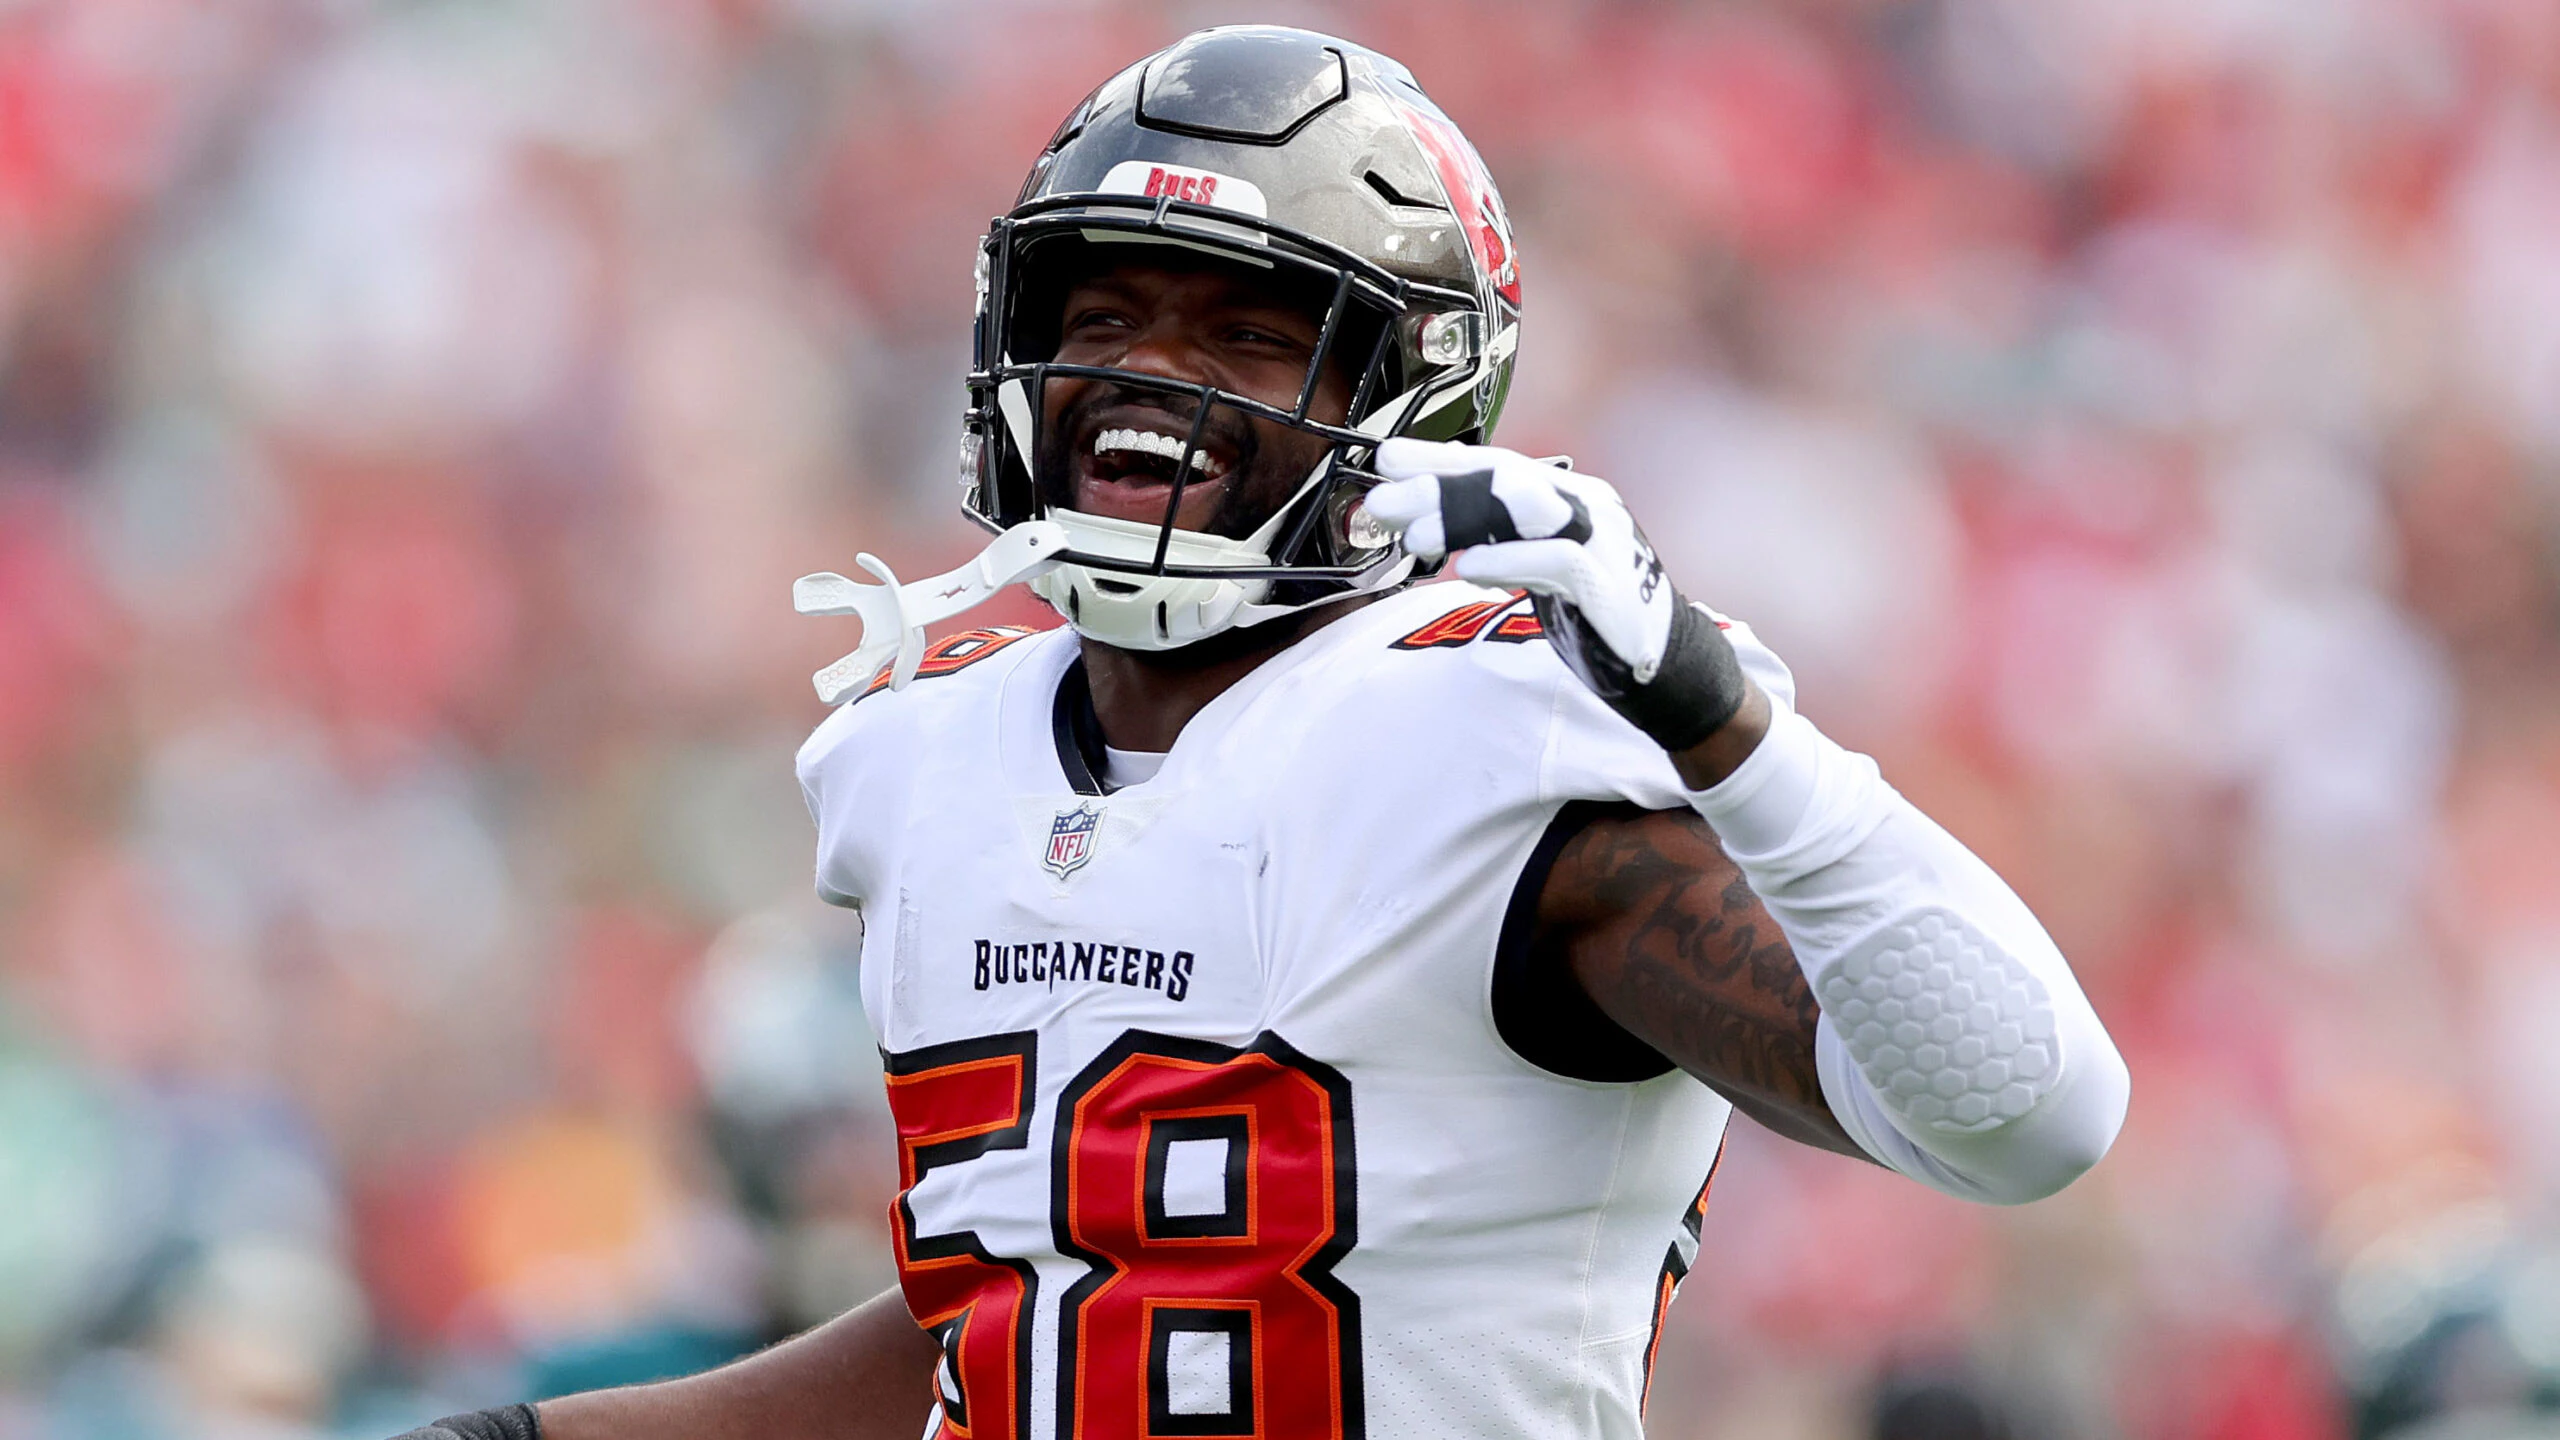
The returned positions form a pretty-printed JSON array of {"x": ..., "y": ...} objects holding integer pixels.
[{"x": 1077, "y": 731}]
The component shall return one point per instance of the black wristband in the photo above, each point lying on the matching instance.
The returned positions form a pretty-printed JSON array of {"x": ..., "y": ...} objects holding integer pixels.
[
  {"x": 1696, "y": 690},
  {"x": 514, "y": 1422}
]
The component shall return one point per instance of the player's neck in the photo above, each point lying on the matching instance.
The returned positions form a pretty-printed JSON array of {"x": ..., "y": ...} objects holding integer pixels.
[{"x": 1144, "y": 697}]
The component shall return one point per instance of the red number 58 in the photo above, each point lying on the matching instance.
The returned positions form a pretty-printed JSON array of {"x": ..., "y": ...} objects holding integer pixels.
[{"x": 1207, "y": 1189}]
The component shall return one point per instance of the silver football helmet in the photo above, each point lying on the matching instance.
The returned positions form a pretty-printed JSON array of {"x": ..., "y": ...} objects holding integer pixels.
[
  {"x": 1312, "y": 160},
  {"x": 1303, "y": 156}
]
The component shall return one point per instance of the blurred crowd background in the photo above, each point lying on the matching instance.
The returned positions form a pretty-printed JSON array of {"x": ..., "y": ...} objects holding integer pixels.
[{"x": 2137, "y": 420}]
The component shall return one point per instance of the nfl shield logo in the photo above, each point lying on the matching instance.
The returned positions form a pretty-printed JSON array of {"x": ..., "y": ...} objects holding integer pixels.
[{"x": 1071, "y": 840}]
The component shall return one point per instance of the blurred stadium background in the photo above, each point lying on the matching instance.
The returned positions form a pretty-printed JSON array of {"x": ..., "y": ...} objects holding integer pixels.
[{"x": 2138, "y": 420}]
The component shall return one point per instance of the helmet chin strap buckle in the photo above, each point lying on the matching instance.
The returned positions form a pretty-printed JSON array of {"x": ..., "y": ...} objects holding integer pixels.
[{"x": 894, "y": 615}]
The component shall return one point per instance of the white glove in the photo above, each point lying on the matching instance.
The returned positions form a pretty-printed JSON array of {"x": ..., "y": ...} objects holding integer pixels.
[{"x": 1568, "y": 540}]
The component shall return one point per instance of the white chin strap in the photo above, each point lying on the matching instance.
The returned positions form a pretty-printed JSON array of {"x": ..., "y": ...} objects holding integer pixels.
[
  {"x": 1134, "y": 612},
  {"x": 894, "y": 616},
  {"x": 1152, "y": 612},
  {"x": 1166, "y": 612}
]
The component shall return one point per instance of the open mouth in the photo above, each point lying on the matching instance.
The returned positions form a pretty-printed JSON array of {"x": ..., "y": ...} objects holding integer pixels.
[
  {"x": 1137, "y": 456},
  {"x": 1126, "y": 470}
]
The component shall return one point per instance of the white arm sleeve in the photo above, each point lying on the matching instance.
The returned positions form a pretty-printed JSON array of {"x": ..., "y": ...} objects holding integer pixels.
[{"x": 1954, "y": 1044}]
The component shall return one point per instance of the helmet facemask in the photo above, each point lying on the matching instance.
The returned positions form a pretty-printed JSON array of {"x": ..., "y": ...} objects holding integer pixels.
[
  {"x": 1313, "y": 159},
  {"x": 1156, "y": 585}
]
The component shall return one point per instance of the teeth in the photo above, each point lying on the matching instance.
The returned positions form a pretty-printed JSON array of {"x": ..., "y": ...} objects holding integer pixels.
[{"x": 1149, "y": 442}]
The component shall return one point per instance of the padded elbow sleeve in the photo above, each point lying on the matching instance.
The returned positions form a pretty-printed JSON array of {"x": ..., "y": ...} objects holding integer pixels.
[
  {"x": 1955, "y": 1045},
  {"x": 1952, "y": 1033}
]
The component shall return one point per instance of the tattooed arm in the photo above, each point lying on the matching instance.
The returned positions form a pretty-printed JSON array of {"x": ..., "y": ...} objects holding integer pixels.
[
  {"x": 1952, "y": 1042},
  {"x": 1667, "y": 939}
]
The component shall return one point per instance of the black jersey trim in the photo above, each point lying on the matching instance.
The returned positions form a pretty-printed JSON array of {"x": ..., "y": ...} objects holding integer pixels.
[
  {"x": 1078, "y": 732},
  {"x": 1677, "y": 1263},
  {"x": 1023, "y": 1048},
  {"x": 1539, "y": 1009}
]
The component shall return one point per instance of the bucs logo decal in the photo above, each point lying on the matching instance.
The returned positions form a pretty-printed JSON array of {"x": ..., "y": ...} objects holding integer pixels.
[
  {"x": 1071, "y": 840},
  {"x": 1472, "y": 197}
]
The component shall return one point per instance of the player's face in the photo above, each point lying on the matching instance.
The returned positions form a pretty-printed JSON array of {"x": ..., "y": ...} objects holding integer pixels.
[{"x": 1209, "y": 324}]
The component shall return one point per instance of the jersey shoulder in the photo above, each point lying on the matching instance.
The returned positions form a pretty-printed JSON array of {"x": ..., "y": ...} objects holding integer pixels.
[
  {"x": 1477, "y": 651},
  {"x": 1451, "y": 678},
  {"x": 960, "y": 672},
  {"x": 1452, "y": 624},
  {"x": 860, "y": 772},
  {"x": 1477, "y": 662},
  {"x": 1464, "y": 659},
  {"x": 1496, "y": 630}
]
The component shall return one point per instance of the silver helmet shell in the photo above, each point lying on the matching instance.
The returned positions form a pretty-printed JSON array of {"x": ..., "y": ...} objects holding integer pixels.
[{"x": 1290, "y": 152}]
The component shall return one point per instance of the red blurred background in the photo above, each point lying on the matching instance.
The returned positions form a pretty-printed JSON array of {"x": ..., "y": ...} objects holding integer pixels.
[{"x": 2137, "y": 420}]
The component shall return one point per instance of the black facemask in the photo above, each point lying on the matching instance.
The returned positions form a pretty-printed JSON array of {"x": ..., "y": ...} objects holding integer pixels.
[{"x": 1255, "y": 486}]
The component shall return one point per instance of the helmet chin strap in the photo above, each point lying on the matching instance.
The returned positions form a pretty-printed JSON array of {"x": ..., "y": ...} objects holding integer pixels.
[
  {"x": 1162, "y": 612},
  {"x": 1153, "y": 612},
  {"x": 894, "y": 615}
]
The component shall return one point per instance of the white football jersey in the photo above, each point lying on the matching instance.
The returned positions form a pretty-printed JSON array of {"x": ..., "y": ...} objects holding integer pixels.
[{"x": 1228, "y": 1103}]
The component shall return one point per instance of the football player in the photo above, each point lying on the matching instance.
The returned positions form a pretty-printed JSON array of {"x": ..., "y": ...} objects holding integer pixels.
[{"x": 1313, "y": 1002}]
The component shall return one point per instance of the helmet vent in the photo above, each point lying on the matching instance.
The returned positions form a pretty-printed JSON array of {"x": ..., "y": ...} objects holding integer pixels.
[
  {"x": 1258, "y": 84},
  {"x": 1114, "y": 587},
  {"x": 1392, "y": 196}
]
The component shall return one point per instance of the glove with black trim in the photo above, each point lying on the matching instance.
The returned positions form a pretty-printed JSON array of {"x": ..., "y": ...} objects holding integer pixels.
[
  {"x": 514, "y": 1422},
  {"x": 1657, "y": 659}
]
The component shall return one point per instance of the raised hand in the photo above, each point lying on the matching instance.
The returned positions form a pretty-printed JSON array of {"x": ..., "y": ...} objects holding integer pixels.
[{"x": 1615, "y": 618}]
